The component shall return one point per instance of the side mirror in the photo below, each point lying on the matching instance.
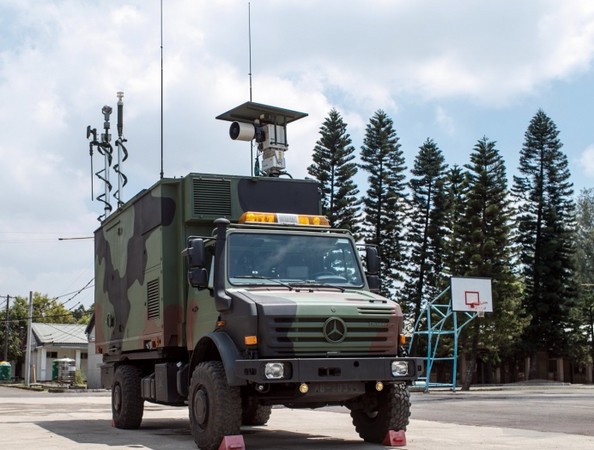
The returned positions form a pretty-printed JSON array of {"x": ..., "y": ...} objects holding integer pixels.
[
  {"x": 198, "y": 278},
  {"x": 372, "y": 260},
  {"x": 374, "y": 283},
  {"x": 195, "y": 253}
]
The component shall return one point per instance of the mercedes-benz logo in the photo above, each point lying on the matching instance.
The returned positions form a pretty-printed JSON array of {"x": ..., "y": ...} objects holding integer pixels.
[{"x": 334, "y": 330}]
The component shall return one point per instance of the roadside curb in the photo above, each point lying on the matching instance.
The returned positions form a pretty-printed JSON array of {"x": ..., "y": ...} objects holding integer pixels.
[{"x": 530, "y": 385}]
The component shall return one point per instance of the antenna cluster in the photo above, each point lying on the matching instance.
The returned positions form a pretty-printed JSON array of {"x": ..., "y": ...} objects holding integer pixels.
[{"x": 105, "y": 150}]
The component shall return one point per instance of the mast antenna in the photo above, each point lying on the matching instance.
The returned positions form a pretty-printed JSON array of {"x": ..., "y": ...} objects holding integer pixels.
[
  {"x": 105, "y": 149},
  {"x": 122, "y": 152},
  {"x": 250, "y": 47},
  {"x": 250, "y": 76},
  {"x": 161, "y": 174}
]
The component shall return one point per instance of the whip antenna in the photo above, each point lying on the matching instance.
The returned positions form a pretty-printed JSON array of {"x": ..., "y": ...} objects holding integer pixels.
[
  {"x": 161, "y": 88},
  {"x": 250, "y": 76},
  {"x": 250, "y": 47}
]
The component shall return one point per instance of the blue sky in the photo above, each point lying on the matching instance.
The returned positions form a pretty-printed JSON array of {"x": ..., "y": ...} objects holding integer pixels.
[{"x": 453, "y": 71}]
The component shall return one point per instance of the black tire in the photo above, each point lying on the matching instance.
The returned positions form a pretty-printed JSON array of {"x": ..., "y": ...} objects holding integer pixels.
[
  {"x": 214, "y": 406},
  {"x": 380, "y": 412},
  {"x": 253, "y": 413},
  {"x": 127, "y": 405}
]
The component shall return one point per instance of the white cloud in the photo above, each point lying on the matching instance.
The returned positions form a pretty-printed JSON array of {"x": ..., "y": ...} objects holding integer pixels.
[
  {"x": 568, "y": 31},
  {"x": 491, "y": 52},
  {"x": 444, "y": 120},
  {"x": 61, "y": 61},
  {"x": 587, "y": 160}
]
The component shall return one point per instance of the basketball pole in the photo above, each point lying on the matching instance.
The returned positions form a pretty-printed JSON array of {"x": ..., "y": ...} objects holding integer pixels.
[{"x": 439, "y": 318}]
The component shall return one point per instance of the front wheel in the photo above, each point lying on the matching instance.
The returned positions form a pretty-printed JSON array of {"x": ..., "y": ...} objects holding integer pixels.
[
  {"x": 253, "y": 413},
  {"x": 376, "y": 413},
  {"x": 214, "y": 406},
  {"x": 127, "y": 405}
]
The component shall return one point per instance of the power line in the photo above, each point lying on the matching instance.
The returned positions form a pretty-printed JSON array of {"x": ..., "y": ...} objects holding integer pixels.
[
  {"x": 53, "y": 325},
  {"x": 77, "y": 292},
  {"x": 86, "y": 286}
]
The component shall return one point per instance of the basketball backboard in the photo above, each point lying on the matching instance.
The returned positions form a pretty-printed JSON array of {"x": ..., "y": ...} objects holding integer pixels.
[{"x": 471, "y": 294}]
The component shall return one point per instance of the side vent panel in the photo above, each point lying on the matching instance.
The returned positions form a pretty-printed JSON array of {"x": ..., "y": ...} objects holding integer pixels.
[
  {"x": 211, "y": 198},
  {"x": 153, "y": 300}
]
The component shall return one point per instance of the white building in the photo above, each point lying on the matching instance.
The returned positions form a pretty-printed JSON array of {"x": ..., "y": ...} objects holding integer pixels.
[
  {"x": 94, "y": 360},
  {"x": 53, "y": 341}
]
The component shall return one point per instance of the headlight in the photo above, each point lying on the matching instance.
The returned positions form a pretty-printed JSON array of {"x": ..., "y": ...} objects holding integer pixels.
[
  {"x": 274, "y": 370},
  {"x": 399, "y": 368}
]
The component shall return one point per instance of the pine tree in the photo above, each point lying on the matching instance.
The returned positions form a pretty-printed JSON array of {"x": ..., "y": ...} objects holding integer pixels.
[
  {"x": 456, "y": 191},
  {"x": 486, "y": 228},
  {"x": 385, "y": 200},
  {"x": 333, "y": 168},
  {"x": 546, "y": 225},
  {"x": 425, "y": 276},
  {"x": 582, "y": 345}
]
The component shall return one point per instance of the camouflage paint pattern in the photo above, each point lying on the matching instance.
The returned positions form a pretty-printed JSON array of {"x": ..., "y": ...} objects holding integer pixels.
[
  {"x": 131, "y": 264},
  {"x": 292, "y": 323},
  {"x": 142, "y": 300}
]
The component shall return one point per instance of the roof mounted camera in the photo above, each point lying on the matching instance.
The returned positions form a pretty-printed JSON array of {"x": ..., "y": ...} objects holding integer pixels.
[{"x": 267, "y": 125}]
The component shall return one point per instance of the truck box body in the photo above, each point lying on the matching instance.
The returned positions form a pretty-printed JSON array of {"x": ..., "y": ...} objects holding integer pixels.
[{"x": 141, "y": 280}]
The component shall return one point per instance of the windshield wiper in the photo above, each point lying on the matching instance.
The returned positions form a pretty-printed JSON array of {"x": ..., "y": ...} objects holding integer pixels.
[
  {"x": 312, "y": 283},
  {"x": 262, "y": 277}
]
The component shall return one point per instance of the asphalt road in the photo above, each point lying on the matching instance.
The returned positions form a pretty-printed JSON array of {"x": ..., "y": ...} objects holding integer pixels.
[
  {"x": 552, "y": 417},
  {"x": 547, "y": 409}
]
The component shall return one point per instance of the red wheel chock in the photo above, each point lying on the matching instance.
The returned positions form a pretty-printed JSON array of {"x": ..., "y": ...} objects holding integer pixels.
[
  {"x": 395, "y": 438},
  {"x": 234, "y": 442}
]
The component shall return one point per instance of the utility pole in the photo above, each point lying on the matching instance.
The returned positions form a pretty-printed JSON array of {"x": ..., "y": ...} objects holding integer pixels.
[
  {"x": 29, "y": 337},
  {"x": 6, "y": 330}
]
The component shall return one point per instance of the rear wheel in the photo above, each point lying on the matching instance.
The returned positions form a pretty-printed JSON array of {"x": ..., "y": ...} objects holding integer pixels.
[
  {"x": 253, "y": 413},
  {"x": 376, "y": 413},
  {"x": 127, "y": 405},
  {"x": 214, "y": 406}
]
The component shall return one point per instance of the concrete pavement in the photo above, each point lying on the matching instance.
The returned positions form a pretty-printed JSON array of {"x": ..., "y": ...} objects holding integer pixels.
[{"x": 73, "y": 421}]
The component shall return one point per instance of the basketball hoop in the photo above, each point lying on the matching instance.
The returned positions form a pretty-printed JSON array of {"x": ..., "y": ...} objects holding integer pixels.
[
  {"x": 471, "y": 294},
  {"x": 479, "y": 309}
]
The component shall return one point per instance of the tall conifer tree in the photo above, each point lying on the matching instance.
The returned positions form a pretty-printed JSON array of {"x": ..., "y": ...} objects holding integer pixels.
[
  {"x": 334, "y": 168},
  {"x": 486, "y": 227},
  {"x": 425, "y": 276},
  {"x": 546, "y": 225},
  {"x": 582, "y": 348},
  {"x": 385, "y": 200},
  {"x": 456, "y": 191}
]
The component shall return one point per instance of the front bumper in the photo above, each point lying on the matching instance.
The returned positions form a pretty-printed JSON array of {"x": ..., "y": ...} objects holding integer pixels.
[{"x": 328, "y": 369}]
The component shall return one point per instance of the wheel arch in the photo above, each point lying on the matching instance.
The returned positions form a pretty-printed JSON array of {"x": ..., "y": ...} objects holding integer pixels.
[{"x": 218, "y": 347}]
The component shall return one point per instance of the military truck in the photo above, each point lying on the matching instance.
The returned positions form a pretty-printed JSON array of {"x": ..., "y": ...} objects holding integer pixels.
[{"x": 232, "y": 294}]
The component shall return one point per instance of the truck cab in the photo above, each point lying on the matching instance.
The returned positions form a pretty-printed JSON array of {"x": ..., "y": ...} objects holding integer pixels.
[{"x": 297, "y": 320}]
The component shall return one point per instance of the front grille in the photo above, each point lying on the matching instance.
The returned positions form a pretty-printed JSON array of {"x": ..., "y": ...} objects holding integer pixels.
[{"x": 304, "y": 336}]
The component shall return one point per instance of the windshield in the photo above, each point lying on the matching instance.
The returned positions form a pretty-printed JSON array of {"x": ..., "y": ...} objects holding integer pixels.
[{"x": 285, "y": 259}]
